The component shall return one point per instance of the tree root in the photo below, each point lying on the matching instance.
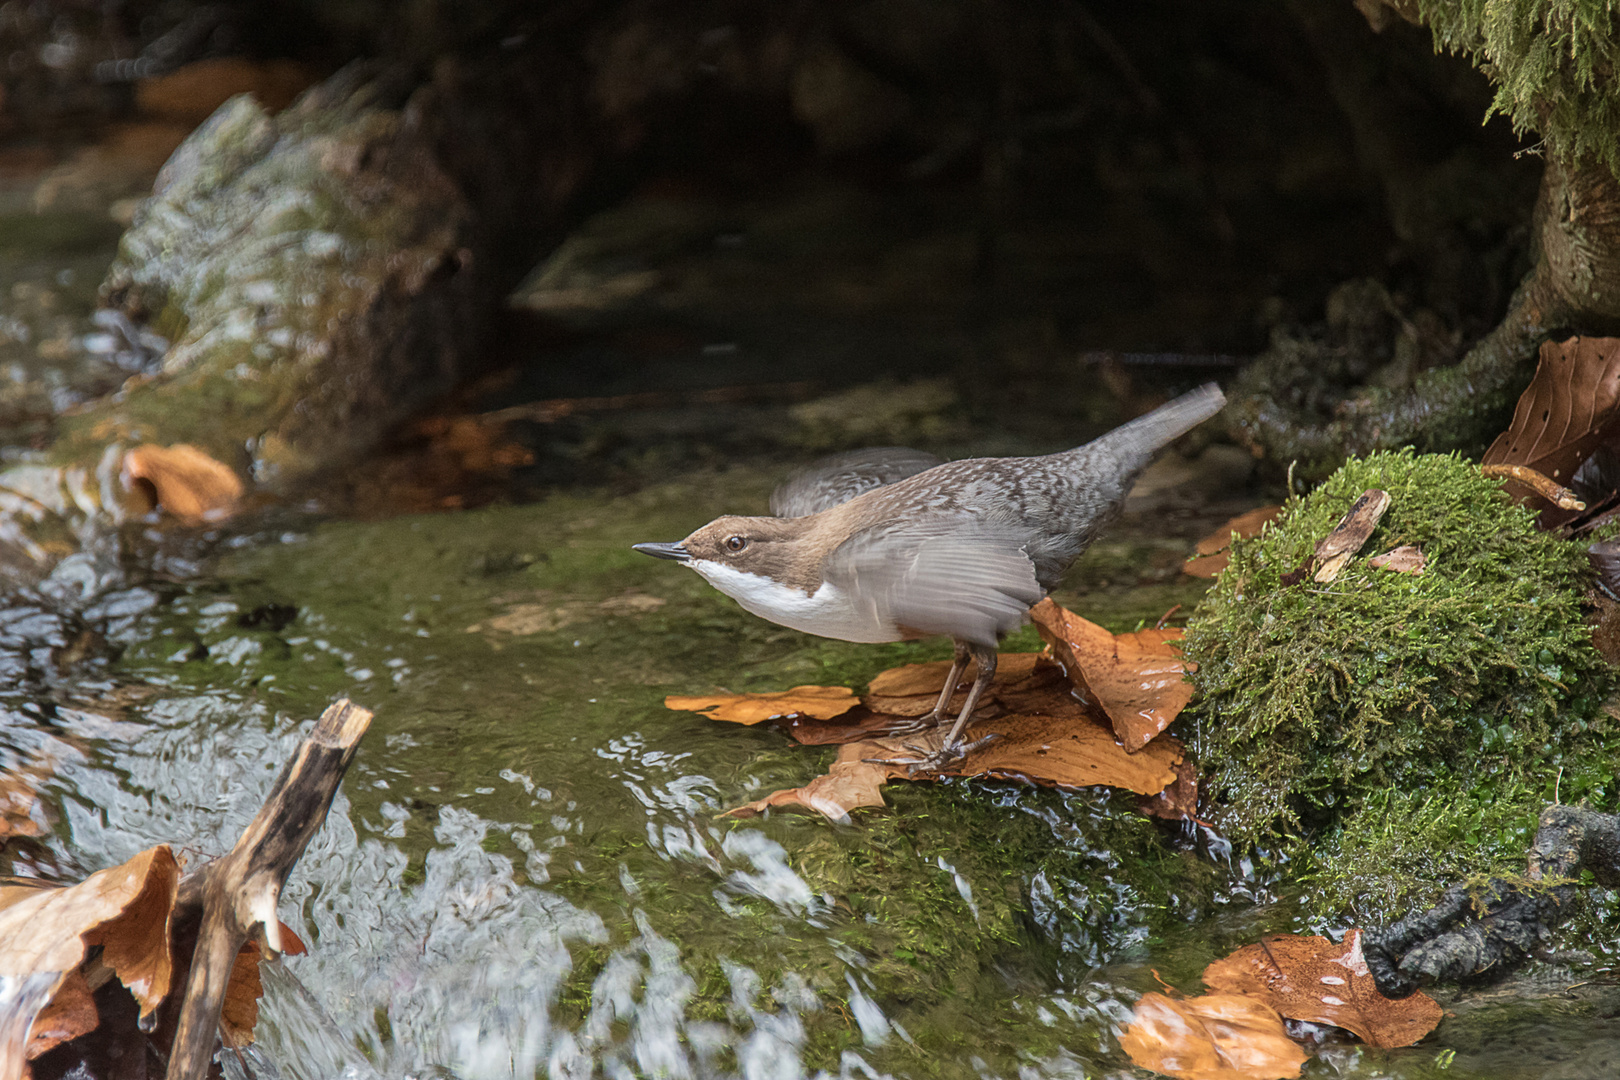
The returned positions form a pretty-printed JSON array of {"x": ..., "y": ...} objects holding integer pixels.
[{"x": 1481, "y": 932}]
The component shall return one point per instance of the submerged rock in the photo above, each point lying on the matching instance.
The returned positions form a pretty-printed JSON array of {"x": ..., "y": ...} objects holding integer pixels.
[{"x": 311, "y": 269}]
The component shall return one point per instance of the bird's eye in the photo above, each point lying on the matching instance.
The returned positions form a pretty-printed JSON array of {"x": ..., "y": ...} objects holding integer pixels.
[{"x": 735, "y": 544}]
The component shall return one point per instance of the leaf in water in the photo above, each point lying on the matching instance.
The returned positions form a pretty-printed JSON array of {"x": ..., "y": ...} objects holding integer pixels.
[
  {"x": 821, "y": 702},
  {"x": 239, "y": 1013},
  {"x": 1215, "y": 1037},
  {"x": 1076, "y": 751},
  {"x": 1405, "y": 559},
  {"x": 1311, "y": 978},
  {"x": 1179, "y": 801},
  {"x": 850, "y": 783},
  {"x": 1213, "y": 552},
  {"x": 1570, "y": 408},
  {"x": 124, "y": 909},
  {"x": 1136, "y": 678},
  {"x": 71, "y": 1013},
  {"x": 189, "y": 484},
  {"x": 21, "y": 811}
]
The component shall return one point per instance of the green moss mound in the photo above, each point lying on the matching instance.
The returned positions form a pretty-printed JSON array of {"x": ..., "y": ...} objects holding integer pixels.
[{"x": 1477, "y": 676}]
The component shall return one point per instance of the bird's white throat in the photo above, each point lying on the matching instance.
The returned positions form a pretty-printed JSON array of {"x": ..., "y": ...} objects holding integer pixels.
[{"x": 828, "y": 612}]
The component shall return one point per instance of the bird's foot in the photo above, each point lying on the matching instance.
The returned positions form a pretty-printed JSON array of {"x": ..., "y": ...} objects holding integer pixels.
[
  {"x": 932, "y": 761},
  {"x": 926, "y": 722}
]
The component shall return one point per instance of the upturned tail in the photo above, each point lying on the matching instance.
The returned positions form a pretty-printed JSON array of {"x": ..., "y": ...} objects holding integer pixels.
[{"x": 1142, "y": 436}]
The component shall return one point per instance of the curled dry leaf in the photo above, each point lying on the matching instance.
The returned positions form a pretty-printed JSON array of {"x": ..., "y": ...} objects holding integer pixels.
[
  {"x": 850, "y": 783},
  {"x": 1405, "y": 559},
  {"x": 1179, "y": 801},
  {"x": 1137, "y": 678},
  {"x": 820, "y": 702},
  {"x": 1215, "y": 1037},
  {"x": 45, "y": 934},
  {"x": 240, "y": 1011},
  {"x": 188, "y": 483},
  {"x": 1078, "y": 751},
  {"x": 1335, "y": 550},
  {"x": 1311, "y": 978},
  {"x": 71, "y": 1013},
  {"x": 1213, "y": 552},
  {"x": 1570, "y": 408}
]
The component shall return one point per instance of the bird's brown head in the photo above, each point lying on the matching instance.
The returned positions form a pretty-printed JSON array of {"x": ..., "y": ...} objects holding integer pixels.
[{"x": 765, "y": 546}]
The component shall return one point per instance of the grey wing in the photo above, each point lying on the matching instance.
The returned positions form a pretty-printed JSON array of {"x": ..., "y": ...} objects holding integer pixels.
[
  {"x": 841, "y": 477},
  {"x": 966, "y": 579}
]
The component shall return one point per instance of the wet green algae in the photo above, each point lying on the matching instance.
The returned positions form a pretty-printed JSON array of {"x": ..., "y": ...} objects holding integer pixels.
[
  {"x": 1057, "y": 883},
  {"x": 1413, "y": 723}
]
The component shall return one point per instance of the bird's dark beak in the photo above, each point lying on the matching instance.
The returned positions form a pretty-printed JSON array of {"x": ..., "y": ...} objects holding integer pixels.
[{"x": 663, "y": 551}]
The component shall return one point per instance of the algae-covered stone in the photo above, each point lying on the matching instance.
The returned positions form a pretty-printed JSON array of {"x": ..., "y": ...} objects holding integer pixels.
[
  {"x": 1477, "y": 675},
  {"x": 312, "y": 271}
]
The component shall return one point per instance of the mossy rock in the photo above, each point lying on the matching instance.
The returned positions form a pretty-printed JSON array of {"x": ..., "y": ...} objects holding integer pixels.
[{"x": 1476, "y": 677}]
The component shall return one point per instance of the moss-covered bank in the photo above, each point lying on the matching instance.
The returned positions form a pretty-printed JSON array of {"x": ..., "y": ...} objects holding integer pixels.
[{"x": 1427, "y": 716}]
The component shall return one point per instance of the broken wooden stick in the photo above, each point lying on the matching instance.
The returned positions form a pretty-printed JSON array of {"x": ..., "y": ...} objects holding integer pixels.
[
  {"x": 1545, "y": 486},
  {"x": 1339, "y": 546},
  {"x": 238, "y": 894}
]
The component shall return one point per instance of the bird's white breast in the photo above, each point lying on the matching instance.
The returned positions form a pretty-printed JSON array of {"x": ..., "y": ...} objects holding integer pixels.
[{"x": 828, "y": 612}]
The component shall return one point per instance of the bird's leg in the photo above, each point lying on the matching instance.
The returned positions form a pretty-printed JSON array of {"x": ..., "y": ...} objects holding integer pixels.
[
  {"x": 942, "y": 707},
  {"x": 948, "y": 691},
  {"x": 950, "y": 750}
]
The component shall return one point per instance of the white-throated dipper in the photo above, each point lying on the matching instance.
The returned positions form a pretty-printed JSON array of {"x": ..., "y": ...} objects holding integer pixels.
[{"x": 888, "y": 545}]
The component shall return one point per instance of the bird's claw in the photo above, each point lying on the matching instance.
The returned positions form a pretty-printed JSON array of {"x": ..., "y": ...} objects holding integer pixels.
[
  {"x": 913, "y": 726},
  {"x": 928, "y": 761}
]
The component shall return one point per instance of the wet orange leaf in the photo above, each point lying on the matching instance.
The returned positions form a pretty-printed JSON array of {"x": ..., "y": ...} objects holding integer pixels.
[
  {"x": 1311, "y": 978},
  {"x": 189, "y": 484},
  {"x": 239, "y": 1012},
  {"x": 1136, "y": 678},
  {"x": 21, "y": 811},
  {"x": 1214, "y": 550},
  {"x": 1075, "y": 751},
  {"x": 820, "y": 702},
  {"x": 1179, "y": 801},
  {"x": 850, "y": 783},
  {"x": 124, "y": 909},
  {"x": 1215, "y": 1037},
  {"x": 71, "y": 1013}
]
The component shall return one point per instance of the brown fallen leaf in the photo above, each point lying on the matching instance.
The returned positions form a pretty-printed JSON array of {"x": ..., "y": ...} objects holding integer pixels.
[
  {"x": 1213, "y": 552},
  {"x": 1054, "y": 751},
  {"x": 71, "y": 1013},
  {"x": 187, "y": 482},
  {"x": 1136, "y": 678},
  {"x": 821, "y": 702},
  {"x": 912, "y": 689},
  {"x": 240, "y": 1012},
  {"x": 46, "y": 933},
  {"x": 22, "y": 813},
  {"x": 1405, "y": 559},
  {"x": 1215, "y": 1037},
  {"x": 850, "y": 783},
  {"x": 1335, "y": 550},
  {"x": 1570, "y": 408},
  {"x": 1179, "y": 801},
  {"x": 1311, "y": 978}
]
